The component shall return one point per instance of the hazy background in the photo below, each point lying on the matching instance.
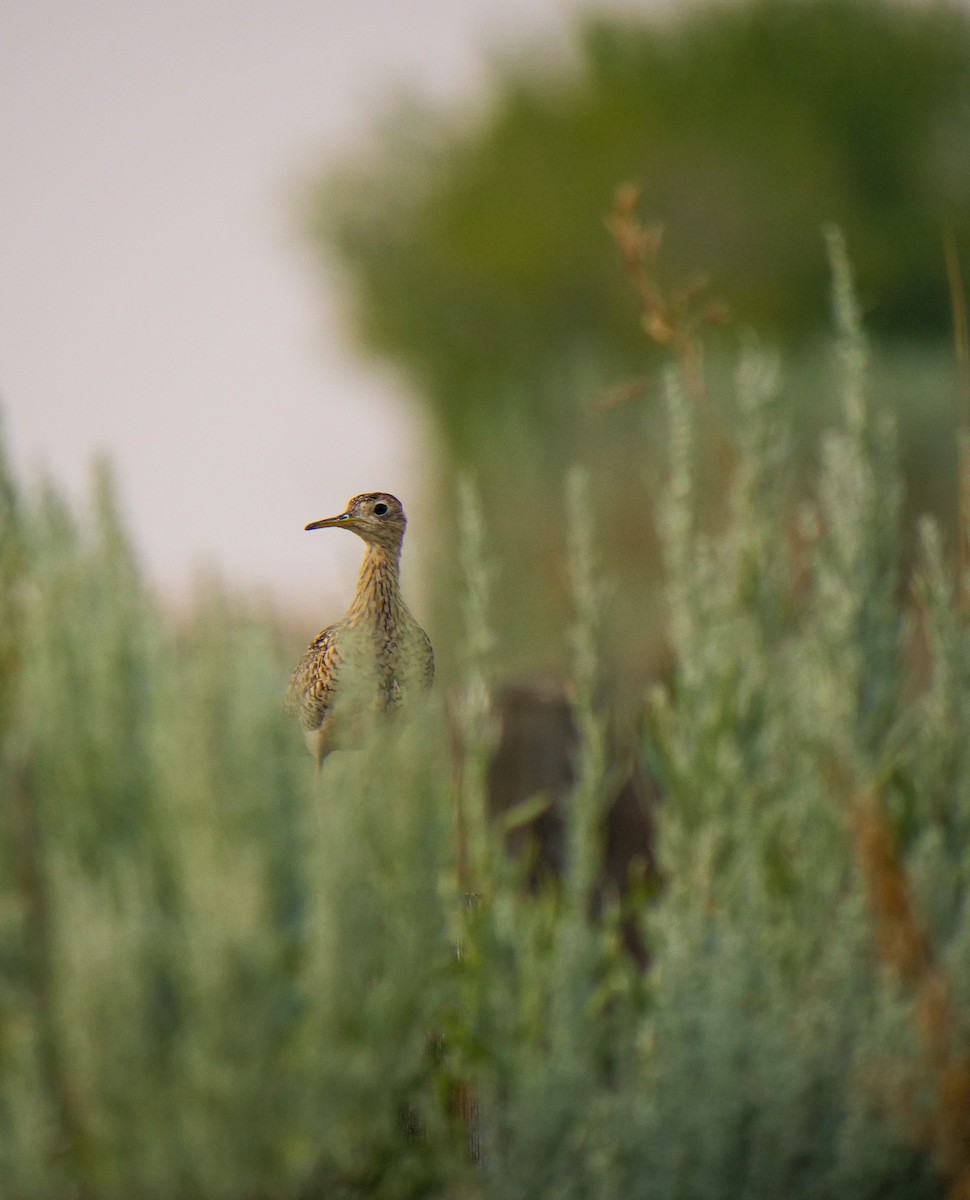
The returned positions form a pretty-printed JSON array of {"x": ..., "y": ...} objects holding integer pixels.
[
  {"x": 220, "y": 977},
  {"x": 267, "y": 256},
  {"x": 157, "y": 301}
]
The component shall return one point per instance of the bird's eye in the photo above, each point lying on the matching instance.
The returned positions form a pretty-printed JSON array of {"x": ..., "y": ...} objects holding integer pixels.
[{"x": 380, "y": 510}]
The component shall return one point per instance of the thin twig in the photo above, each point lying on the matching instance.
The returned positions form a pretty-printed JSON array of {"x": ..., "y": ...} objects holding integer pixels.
[{"x": 961, "y": 342}]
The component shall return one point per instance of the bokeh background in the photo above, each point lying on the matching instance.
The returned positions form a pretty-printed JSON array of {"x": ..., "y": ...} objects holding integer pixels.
[
  {"x": 526, "y": 266},
  {"x": 159, "y": 298},
  {"x": 266, "y": 256}
]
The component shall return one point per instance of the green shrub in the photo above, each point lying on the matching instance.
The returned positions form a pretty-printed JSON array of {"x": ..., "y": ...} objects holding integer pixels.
[{"x": 217, "y": 981}]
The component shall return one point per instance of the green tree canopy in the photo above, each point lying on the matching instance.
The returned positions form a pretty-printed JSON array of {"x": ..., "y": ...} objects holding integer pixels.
[{"x": 475, "y": 245}]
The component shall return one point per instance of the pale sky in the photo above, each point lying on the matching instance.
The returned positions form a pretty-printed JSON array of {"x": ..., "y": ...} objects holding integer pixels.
[{"x": 156, "y": 301}]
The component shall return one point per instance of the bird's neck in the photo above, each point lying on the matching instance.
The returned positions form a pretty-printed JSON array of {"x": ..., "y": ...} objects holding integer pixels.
[{"x": 378, "y": 596}]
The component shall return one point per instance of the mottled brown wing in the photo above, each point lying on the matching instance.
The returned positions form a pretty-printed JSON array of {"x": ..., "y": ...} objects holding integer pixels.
[{"x": 313, "y": 682}]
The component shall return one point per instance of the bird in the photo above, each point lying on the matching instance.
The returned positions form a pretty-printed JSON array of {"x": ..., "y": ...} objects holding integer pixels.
[{"x": 377, "y": 656}]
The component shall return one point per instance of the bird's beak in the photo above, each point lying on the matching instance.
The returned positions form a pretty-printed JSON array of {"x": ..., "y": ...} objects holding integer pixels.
[{"x": 332, "y": 522}]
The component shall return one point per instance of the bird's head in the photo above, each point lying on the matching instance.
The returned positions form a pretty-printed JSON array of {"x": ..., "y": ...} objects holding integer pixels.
[{"x": 377, "y": 517}]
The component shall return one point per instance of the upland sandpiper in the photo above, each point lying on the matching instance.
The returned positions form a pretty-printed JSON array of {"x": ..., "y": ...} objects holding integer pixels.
[{"x": 377, "y": 652}]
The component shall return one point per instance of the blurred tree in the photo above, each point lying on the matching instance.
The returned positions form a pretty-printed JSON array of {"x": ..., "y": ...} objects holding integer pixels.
[
  {"x": 477, "y": 260},
  {"x": 475, "y": 245}
]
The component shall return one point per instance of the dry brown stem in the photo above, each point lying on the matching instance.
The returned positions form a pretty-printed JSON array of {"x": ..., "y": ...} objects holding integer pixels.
[
  {"x": 908, "y": 953},
  {"x": 670, "y": 316}
]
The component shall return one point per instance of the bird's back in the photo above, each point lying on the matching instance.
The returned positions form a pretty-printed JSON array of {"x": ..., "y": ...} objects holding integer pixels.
[{"x": 385, "y": 665}]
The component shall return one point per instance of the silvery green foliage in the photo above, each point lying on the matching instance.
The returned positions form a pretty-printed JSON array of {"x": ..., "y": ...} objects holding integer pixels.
[
  {"x": 790, "y": 691},
  {"x": 186, "y": 993},
  {"x": 219, "y": 981}
]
